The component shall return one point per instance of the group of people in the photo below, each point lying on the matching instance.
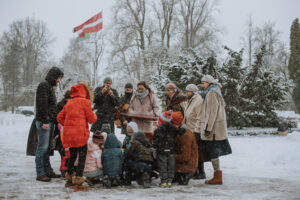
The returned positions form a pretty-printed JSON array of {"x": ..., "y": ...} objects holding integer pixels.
[{"x": 172, "y": 145}]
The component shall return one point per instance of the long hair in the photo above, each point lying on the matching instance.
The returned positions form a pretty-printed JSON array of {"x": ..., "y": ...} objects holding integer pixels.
[{"x": 143, "y": 83}]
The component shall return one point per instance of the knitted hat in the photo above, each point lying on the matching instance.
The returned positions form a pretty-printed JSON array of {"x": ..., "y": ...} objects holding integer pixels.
[
  {"x": 134, "y": 127},
  {"x": 98, "y": 138},
  {"x": 107, "y": 79},
  {"x": 177, "y": 118},
  {"x": 192, "y": 88},
  {"x": 129, "y": 85},
  {"x": 106, "y": 127},
  {"x": 209, "y": 79},
  {"x": 164, "y": 117},
  {"x": 171, "y": 86}
]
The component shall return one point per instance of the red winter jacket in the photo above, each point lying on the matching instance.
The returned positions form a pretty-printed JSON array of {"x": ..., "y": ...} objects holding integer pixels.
[{"x": 75, "y": 116}]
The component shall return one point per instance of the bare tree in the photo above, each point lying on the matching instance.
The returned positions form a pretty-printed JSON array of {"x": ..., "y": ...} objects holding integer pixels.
[
  {"x": 165, "y": 14},
  {"x": 33, "y": 39},
  {"x": 198, "y": 24}
]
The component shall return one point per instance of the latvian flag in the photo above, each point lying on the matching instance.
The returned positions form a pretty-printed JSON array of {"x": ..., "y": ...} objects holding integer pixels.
[{"x": 92, "y": 25}]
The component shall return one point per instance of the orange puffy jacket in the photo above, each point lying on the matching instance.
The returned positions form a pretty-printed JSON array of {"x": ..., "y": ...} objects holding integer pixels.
[{"x": 76, "y": 115}]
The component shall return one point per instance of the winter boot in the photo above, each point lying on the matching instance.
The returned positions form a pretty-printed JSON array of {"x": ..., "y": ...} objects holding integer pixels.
[
  {"x": 68, "y": 178},
  {"x": 106, "y": 182},
  {"x": 90, "y": 181},
  {"x": 77, "y": 181},
  {"x": 185, "y": 178},
  {"x": 216, "y": 180},
  {"x": 146, "y": 180},
  {"x": 43, "y": 178},
  {"x": 53, "y": 175},
  {"x": 169, "y": 183},
  {"x": 200, "y": 173},
  {"x": 163, "y": 184}
]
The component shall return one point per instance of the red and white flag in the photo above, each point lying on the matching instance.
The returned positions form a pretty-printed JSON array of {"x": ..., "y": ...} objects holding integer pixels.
[{"x": 94, "y": 24}]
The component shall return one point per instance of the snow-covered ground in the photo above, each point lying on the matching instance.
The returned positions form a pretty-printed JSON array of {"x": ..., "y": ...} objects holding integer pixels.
[{"x": 262, "y": 167}]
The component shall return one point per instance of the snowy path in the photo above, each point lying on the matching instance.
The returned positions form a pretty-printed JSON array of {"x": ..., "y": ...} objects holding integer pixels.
[{"x": 264, "y": 167}]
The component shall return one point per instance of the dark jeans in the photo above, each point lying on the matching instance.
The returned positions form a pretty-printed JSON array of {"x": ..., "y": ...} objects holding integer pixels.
[
  {"x": 166, "y": 166},
  {"x": 81, "y": 151},
  {"x": 42, "y": 154}
]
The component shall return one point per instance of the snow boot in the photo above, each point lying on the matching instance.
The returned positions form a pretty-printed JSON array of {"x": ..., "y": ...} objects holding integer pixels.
[
  {"x": 169, "y": 184},
  {"x": 163, "y": 184},
  {"x": 146, "y": 180},
  {"x": 216, "y": 180},
  {"x": 185, "y": 178},
  {"x": 68, "y": 178},
  {"x": 90, "y": 181},
  {"x": 43, "y": 178},
  {"x": 106, "y": 182},
  {"x": 77, "y": 181}
]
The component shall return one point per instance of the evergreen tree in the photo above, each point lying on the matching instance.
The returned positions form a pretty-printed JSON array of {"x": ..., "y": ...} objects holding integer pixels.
[{"x": 294, "y": 61}]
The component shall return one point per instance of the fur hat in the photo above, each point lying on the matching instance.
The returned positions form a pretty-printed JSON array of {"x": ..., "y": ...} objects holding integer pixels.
[
  {"x": 177, "y": 118},
  {"x": 106, "y": 127},
  {"x": 171, "y": 86},
  {"x": 129, "y": 85},
  {"x": 107, "y": 79},
  {"x": 98, "y": 138},
  {"x": 192, "y": 88},
  {"x": 164, "y": 117}
]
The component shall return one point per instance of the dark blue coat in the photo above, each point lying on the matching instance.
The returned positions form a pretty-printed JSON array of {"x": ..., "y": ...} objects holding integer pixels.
[{"x": 112, "y": 157}]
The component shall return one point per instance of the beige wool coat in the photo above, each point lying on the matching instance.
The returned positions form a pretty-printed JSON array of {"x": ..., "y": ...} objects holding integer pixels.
[
  {"x": 192, "y": 112},
  {"x": 148, "y": 107},
  {"x": 213, "y": 118}
]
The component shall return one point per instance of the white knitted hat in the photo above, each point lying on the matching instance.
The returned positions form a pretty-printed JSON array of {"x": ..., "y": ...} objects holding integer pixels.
[{"x": 192, "y": 88}]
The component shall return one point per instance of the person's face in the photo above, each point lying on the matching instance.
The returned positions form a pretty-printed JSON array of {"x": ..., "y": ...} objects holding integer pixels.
[
  {"x": 189, "y": 93},
  {"x": 128, "y": 90},
  {"x": 170, "y": 92},
  {"x": 58, "y": 80},
  {"x": 141, "y": 88},
  {"x": 107, "y": 84},
  {"x": 204, "y": 85},
  {"x": 129, "y": 131}
]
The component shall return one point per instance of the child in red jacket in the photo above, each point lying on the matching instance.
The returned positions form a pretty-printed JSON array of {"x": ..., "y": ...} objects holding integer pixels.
[{"x": 75, "y": 116}]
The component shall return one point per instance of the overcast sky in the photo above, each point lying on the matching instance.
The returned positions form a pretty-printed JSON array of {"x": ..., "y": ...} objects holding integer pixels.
[{"x": 61, "y": 16}]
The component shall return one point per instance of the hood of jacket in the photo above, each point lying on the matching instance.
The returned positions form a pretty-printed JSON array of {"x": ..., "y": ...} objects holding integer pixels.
[
  {"x": 112, "y": 142},
  {"x": 53, "y": 74}
]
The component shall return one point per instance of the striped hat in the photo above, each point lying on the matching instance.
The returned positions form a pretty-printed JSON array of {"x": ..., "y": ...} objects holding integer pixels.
[{"x": 164, "y": 117}]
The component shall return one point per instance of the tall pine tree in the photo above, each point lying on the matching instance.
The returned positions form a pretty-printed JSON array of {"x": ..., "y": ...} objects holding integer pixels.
[{"x": 294, "y": 61}]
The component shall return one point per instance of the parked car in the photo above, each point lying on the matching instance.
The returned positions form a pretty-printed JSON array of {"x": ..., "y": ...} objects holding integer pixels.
[{"x": 25, "y": 110}]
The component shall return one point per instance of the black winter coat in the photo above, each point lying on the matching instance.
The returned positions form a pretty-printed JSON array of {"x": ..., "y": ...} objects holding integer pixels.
[
  {"x": 164, "y": 138},
  {"x": 46, "y": 108}
]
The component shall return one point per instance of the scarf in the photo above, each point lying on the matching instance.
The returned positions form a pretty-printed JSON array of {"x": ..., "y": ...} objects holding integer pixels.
[
  {"x": 142, "y": 96},
  {"x": 213, "y": 87}
]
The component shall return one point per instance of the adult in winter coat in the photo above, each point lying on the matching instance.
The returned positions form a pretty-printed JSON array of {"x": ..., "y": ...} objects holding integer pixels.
[
  {"x": 213, "y": 125},
  {"x": 175, "y": 100},
  {"x": 112, "y": 160},
  {"x": 192, "y": 114},
  {"x": 144, "y": 102},
  {"x": 106, "y": 100},
  {"x": 46, "y": 111},
  {"x": 186, "y": 150},
  {"x": 138, "y": 160},
  {"x": 124, "y": 105},
  {"x": 75, "y": 116}
]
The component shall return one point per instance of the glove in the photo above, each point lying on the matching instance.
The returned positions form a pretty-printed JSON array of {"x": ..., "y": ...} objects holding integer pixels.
[{"x": 207, "y": 133}]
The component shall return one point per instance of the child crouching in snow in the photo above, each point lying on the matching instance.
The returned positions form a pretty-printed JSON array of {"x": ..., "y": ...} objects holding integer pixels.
[
  {"x": 93, "y": 167},
  {"x": 138, "y": 161},
  {"x": 131, "y": 129},
  {"x": 112, "y": 161},
  {"x": 75, "y": 116}
]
